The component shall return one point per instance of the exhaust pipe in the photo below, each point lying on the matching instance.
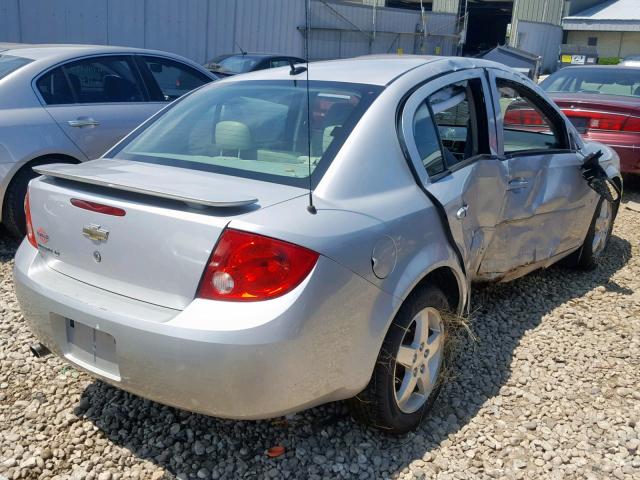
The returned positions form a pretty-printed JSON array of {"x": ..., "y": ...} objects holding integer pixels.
[{"x": 38, "y": 350}]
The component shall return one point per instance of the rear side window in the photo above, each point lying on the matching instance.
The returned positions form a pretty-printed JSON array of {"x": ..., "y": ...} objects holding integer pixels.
[
  {"x": 93, "y": 80},
  {"x": 527, "y": 125},
  {"x": 255, "y": 129},
  {"x": 55, "y": 88},
  {"x": 455, "y": 116},
  {"x": 169, "y": 79},
  {"x": 446, "y": 127},
  {"x": 427, "y": 141},
  {"x": 10, "y": 63}
]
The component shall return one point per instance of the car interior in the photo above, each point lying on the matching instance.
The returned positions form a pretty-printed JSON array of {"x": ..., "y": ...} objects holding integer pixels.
[
  {"x": 454, "y": 110},
  {"x": 96, "y": 81},
  {"x": 525, "y": 125},
  {"x": 261, "y": 130}
]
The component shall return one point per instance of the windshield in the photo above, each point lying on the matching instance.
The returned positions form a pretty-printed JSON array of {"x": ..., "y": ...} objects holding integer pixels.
[
  {"x": 234, "y": 64},
  {"x": 255, "y": 129},
  {"x": 9, "y": 63},
  {"x": 602, "y": 81}
]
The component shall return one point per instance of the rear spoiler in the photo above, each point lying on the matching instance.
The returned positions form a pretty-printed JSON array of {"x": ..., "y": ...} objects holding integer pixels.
[{"x": 110, "y": 179}]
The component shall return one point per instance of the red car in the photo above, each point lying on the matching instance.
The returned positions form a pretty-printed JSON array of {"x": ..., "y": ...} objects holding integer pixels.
[{"x": 603, "y": 102}]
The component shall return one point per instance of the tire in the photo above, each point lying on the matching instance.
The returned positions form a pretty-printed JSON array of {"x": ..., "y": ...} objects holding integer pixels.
[
  {"x": 597, "y": 239},
  {"x": 381, "y": 404},
  {"x": 13, "y": 207}
]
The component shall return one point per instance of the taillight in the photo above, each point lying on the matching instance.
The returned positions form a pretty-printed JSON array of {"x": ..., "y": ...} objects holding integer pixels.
[
  {"x": 27, "y": 215},
  {"x": 249, "y": 267},
  {"x": 632, "y": 124},
  {"x": 613, "y": 122},
  {"x": 523, "y": 116}
]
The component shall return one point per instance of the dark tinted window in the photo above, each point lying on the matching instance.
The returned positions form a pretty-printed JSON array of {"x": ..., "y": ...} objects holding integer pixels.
[
  {"x": 10, "y": 63},
  {"x": 598, "y": 81},
  {"x": 54, "y": 88},
  {"x": 172, "y": 79},
  {"x": 255, "y": 129},
  {"x": 104, "y": 80}
]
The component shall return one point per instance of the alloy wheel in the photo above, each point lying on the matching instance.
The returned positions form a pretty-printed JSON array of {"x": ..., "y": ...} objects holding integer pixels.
[
  {"x": 601, "y": 228},
  {"x": 418, "y": 360}
]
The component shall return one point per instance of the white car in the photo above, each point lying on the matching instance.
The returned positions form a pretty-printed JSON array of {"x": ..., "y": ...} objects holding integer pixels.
[{"x": 71, "y": 103}]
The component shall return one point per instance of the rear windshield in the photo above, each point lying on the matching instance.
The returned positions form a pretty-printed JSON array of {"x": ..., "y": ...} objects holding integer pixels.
[
  {"x": 602, "y": 81},
  {"x": 9, "y": 63},
  {"x": 255, "y": 129},
  {"x": 234, "y": 64}
]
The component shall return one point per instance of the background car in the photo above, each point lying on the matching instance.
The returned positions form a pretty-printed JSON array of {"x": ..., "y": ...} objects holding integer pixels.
[
  {"x": 235, "y": 63},
  {"x": 233, "y": 258},
  {"x": 71, "y": 103},
  {"x": 631, "y": 61},
  {"x": 603, "y": 103}
]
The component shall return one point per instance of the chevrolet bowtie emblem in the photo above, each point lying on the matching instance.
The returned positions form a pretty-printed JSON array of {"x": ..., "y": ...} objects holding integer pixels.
[{"x": 95, "y": 232}]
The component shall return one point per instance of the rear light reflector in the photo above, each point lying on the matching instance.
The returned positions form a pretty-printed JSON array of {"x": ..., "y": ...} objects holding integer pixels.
[
  {"x": 613, "y": 122},
  {"x": 31, "y": 236},
  {"x": 249, "y": 267},
  {"x": 98, "y": 207}
]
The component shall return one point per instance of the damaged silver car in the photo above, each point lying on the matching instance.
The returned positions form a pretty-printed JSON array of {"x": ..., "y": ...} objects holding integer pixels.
[{"x": 287, "y": 238}]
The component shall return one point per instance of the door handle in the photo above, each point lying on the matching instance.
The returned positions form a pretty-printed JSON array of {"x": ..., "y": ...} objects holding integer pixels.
[
  {"x": 462, "y": 212},
  {"x": 83, "y": 122},
  {"x": 518, "y": 184}
]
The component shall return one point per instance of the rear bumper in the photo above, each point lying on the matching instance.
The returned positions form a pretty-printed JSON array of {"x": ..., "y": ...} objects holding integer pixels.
[
  {"x": 627, "y": 146},
  {"x": 316, "y": 344}
]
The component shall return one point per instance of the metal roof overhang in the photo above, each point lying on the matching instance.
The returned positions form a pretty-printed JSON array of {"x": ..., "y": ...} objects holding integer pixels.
[{"x": 573, "y": 23}]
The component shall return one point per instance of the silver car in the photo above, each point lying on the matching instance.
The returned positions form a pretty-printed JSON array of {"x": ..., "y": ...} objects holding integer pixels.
[
  {"x": 265, "y": 244},
  {"x": 71, "y": 103}
]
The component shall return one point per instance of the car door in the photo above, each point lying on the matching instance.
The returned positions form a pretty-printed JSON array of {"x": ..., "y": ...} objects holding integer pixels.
[
  {"x": 448, "y": 130},
  {"x": 548, "y": 205},
  {"x": 96, "y": 100}
]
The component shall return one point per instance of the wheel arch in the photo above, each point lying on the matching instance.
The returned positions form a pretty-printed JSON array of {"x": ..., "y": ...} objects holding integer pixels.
[
  {"x": 451, "y": 282},
  {"x": 20, "y": 167}
]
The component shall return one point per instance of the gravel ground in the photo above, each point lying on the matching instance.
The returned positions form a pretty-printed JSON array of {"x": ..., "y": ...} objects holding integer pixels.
[{"x": 549, "y": 389}]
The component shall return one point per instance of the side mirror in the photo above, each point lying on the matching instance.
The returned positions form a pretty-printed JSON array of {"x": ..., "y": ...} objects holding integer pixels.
[{"x": 598, "y": 179}]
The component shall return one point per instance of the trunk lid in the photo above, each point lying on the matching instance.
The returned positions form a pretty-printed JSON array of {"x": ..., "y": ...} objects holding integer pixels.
[
  {"x": 604, "y": 103},
  {"x": 157, "y": 251}
]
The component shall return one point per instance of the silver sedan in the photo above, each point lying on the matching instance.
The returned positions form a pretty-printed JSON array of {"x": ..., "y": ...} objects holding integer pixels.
[
  {"x": 269, "y": 243},
  {"x": 71, "y": 103}
]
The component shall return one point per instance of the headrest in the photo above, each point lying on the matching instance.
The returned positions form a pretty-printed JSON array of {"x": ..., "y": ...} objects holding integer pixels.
[
  {"x": 233, "y": 136},
  {"x": 116, "y": 88},
  {"x": 60, "y": 93},
  {"x": 75, "y": 82}
]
